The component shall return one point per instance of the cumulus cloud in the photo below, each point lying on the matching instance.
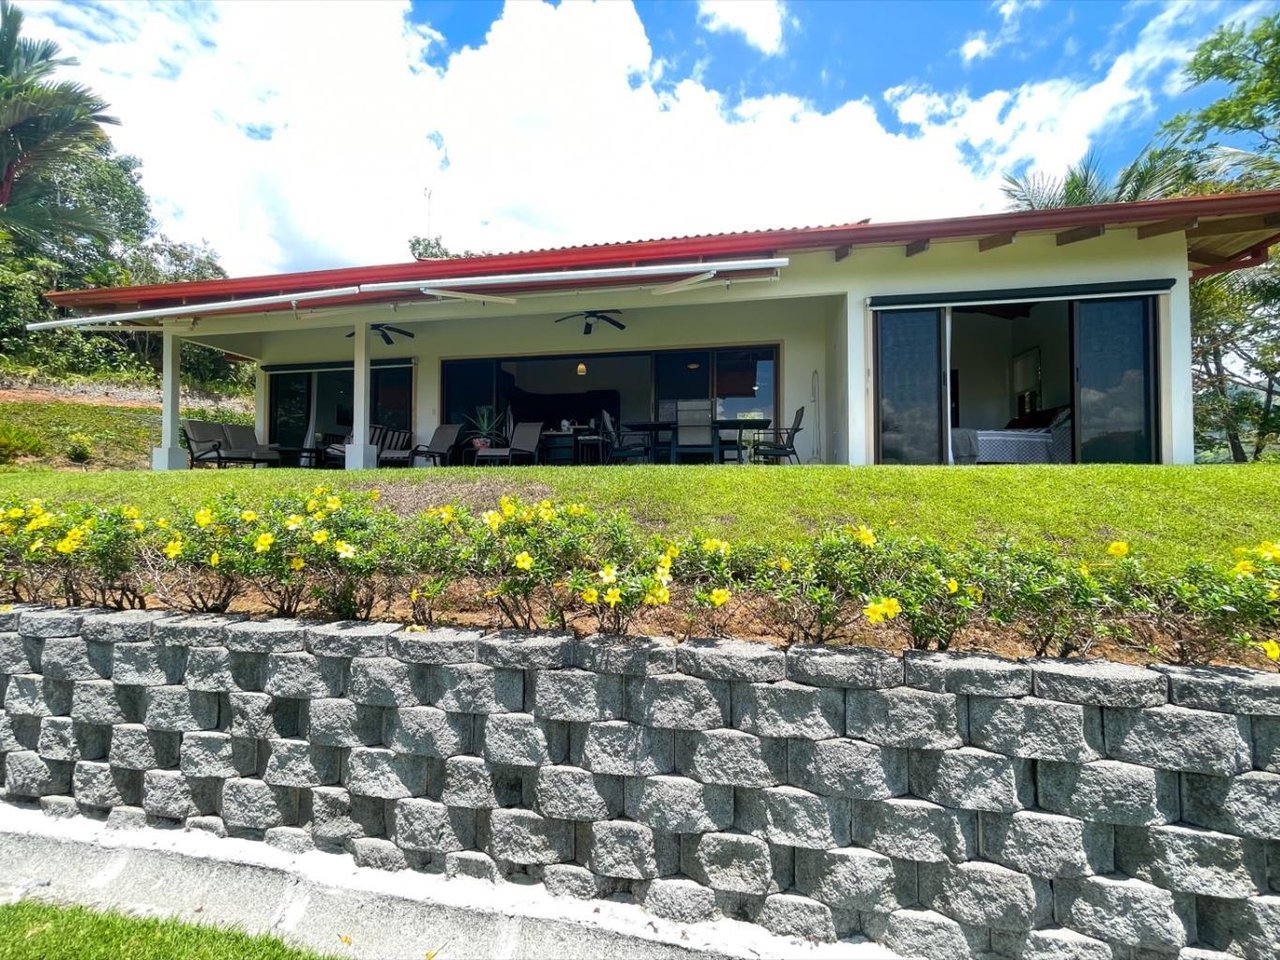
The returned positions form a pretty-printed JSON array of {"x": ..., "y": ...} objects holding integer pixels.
[
  {"x": 294, "y": 136},
  {"x": 981, "y": 45},
  {"x": 760, "y": 22}
]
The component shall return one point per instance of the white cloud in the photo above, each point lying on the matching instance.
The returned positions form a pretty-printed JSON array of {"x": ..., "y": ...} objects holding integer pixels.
[
  {"x": 980, "y": 45},
  {"x": 976, "y": 47},
  {"x": 760, "y": 22},
  {"x": 295, "y": 136}
]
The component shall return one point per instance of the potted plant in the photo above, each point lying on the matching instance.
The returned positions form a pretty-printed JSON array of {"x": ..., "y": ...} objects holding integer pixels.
[{"x": 484, "y": 428}]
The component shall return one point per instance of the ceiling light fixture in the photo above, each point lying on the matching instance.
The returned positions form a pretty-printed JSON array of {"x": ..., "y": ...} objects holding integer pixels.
[
  {"x": 692, "y": 366},
  {"x": 582, "y": 369}
]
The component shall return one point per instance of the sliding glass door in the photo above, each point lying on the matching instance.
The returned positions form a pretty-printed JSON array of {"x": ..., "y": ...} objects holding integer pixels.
[
  {"x": 909, "y": 386},
  {"x": 1115, "y": 380}
]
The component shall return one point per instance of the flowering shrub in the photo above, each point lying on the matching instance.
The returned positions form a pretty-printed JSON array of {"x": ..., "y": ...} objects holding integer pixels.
[{"x": 343, "y": 555}]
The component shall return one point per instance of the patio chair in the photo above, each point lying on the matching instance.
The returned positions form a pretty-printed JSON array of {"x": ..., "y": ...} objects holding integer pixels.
[
  {"x": 625, "y": 446},
  {"x": 243, "y": 444},
  {"x": 439, "y": 452},
  {"x": 205, "y": 442},
  {"x": 693, "y": 428},
  {"x": 394, "y": 451},
  {"x": 782, "y": 445},
  {"x": 335, "y": 451},
  {"x": 524, "y": 443}
]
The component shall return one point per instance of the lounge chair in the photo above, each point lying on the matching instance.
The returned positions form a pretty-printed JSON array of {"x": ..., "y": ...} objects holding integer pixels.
[
  {"x": 623, "y": 447},
  {"x": 221, "y": 445},
  {"x": 394, "y": 450},
  {"x": 780, "y": 444},
  {"x": 524, "y": 443},
  {"x": 439, "y": 451}
]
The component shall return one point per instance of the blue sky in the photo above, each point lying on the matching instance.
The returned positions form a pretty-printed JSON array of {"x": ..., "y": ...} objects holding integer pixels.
[{"x": 300, "y": 135}]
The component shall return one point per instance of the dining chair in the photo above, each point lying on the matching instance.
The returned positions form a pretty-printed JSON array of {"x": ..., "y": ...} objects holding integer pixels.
[
  {"x": 623, "y": 446},
  {"x": 693, "y": 428},
  {"x": 782, "y": 445},
  {"x": 439, "y": 450},
  {"x": 525, "y": 438}
]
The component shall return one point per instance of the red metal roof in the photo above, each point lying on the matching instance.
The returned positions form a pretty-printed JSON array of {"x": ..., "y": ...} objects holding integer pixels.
[{"x": 690, "y": 248}]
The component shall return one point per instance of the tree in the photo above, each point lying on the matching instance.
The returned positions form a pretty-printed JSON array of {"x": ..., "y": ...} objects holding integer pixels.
[
  {"x": 44, "y": 123},
  {"x": 433, "y": 248},
  {"x": 1157, "y": 172}
]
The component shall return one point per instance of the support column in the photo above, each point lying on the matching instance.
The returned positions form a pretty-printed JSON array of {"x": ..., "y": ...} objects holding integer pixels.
[
  {"x": 170, "y": 455},
  {"x": 360, "y": 453},
  {"x": 860, "y": 417}
]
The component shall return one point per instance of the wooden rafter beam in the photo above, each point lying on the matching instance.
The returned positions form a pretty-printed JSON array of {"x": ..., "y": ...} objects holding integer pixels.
[
  {"x": 1147, "y": 231},
  {"x": 996, "y": 240},
  {"x": 916, "y": 247},
  {"x": 1207, "y": 258},
  {"x": 1218, "y": 228},
  {"x": 842, "y": 252},
  {"x": 1078, "y": 234}
]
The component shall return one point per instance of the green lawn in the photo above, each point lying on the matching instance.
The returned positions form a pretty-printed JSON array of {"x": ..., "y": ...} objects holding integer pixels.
[
  {"x": 1168, "y": 514},
  {"x": 40, "y": 931}
]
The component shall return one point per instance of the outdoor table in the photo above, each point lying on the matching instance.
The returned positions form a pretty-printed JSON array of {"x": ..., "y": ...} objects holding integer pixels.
[
  {"x": 653, "y": 428},
  {"x": 741, "y": 424},
  {"x": 308, "y": 457}
]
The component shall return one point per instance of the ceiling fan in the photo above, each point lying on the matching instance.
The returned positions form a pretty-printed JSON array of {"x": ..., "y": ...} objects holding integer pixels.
[
  {"x": 590, "y": 317},
  {"x": 385, "y": 330}
]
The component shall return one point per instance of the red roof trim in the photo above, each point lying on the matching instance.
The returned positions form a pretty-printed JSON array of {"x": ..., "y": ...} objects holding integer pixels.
[{"x": 682, "y": 249}]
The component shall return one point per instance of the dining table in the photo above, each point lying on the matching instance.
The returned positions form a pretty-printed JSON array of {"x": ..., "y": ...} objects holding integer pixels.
[
  {"x": 653, "y": 428},
  {"x": 741, "y": 425}
]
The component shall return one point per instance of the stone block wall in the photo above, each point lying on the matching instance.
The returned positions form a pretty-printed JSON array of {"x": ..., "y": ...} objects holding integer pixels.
[{"x": 946, "y": 806}]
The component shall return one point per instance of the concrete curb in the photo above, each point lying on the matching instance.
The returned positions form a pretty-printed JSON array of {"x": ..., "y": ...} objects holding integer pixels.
[{"x": 316, "y": 899}]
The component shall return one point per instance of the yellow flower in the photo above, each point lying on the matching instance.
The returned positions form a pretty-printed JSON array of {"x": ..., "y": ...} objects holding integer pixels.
[
  {"x": 6, "y": 608},
  {"x": 1118, "y": 548},
  {"x": 1273, "y": 591},
  {"x": 296, "y": 563},
  {"x": 874, "y": 612},
  {"x": 264, "y": 542},
  {"x": 344, "y": 550},
  {"x": 67, "y": 544},
  {"x": 248, "y": 516},
  {"x": 214, "y": 559},
  {"x": 1245, "y": 568},
  {"x": 1269, "y": 551},
  {"x": 204, "y": 517},
  {"x": 864, "y": 536},
  {"x": 294, "y": 521},
  {"x": 524, "y": 561},
  {"x": 719, "y": 597},
  {"x": 346, "y": 940},
  {"x": 664, "y": 563},
  {"x": 608, "y": 573},
  {"x": 313, "y": 505},
  {"x": 672, "y": 551},
  {"x": 546, "y": 511},
  {"x": 613, "y": 596},
  {"x": 526, "y": 516},
  {"x": 320, "y": 536},
  {"x": 319, "y": 516},
  {"x": 332, "y": 504},
  {"x": 1084, "y": 569},
  {"x": 444, "y": 514},
  {"x": 415, "y": 628},
  {"x": 507, "y": 506},
  {"x": 39, "y": 542},
  {"x": 784, "y": 564},
  {"x": 891, "y": 607},
  {"x": 1271, "y": 649},
  {"x": 13, "y": 513},
  {"x": 493, "y": 520},
  {"x": 138, "y": 525},
  {"x": 575, "y": 509},
  {"x": 590, "y": 595},
  {"x": 975, "y": 593},
  {"x": 952, "y": 585},
  {"x": 712, "y": 545},
  {"x": 39, "y": 522},
  {"x": 375, "y": 494},
  {"x": 319, "y": 491},
  {"x": 131, "y": 513},
  {"x": 172, "y": 548},
  {"x": 657, "y": 596},
  {"x": 163, "y": 523}
]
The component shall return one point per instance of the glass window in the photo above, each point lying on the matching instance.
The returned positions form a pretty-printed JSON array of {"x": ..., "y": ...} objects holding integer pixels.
[
  {"x": 909, "y": 385},
  {"x": 680, "y": 375},
  {"x": 745, "y": 383},
  {"x": 1113, "y": 360},
  {"x": 335, "y": 407},
  {"x": 290, "y": 403},
  {"x": 392, "y": 397},
  {"x": 468, "y": 385}
]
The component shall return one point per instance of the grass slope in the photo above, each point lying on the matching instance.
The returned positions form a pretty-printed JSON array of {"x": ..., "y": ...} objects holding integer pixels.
[
  {"x": 40, "y": 931},
  {"x": 1168, "y": 514}
]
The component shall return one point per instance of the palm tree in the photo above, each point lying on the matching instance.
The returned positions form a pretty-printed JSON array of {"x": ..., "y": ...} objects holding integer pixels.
[
  {"x": 43, "y": 122},
  {"x": 1157, "y": 172}
]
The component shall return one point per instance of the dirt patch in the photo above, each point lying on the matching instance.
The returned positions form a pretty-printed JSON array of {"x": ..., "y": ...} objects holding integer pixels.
[
  {"x": 13, "y": 390},
  {"x": 430, "y": 488}
]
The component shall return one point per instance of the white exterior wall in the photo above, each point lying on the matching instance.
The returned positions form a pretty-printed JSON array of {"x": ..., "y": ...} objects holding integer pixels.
[{"x": 817, "y": 312}]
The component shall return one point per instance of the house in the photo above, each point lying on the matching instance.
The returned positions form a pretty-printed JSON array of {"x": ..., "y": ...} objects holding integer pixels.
[{"x": 1054, "y": 335}]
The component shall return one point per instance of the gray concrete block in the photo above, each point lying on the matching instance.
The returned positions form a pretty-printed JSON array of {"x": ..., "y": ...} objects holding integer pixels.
[
  {"x": 1057, "y": 943},
  {"x": 255, "y": 805},
  {"x": 101, "y": 785},
  {"x": 676, "y": 898},
  {"x": 212, "y": 754},
  {"x": 522, "y": 836},
  {"x": 19, "y": 733},
  {"x": 677, "y": 702},
  {"x": 731, "y": 757},
  {"x": 426, "y": 731},
  {"x": 733, "y": 862},
  {"x": 577, "y": 695},
  {"x": 47, "y": 622},
  {"x": 1192, "y": 860},
  {"x": 71, "y": 658},
  {"x": 906, "y": 717},
  {"x": 475, "y": 688},
  {"x": 27, "y": 774},
  {"x": 926, "y": 933},
  {"x": 263, "y": 716},
  {"x": 167, "y": 793},
  {"x": 571, "y": 880},
  {"x": 470, "y": 782},
  {"x": 986, "y": 895},
  {"x": 135, "y": 747},
  {"x": 521, "y": 740},
  {"x": 147, "y": 664},
  {"x": 336, "y": 816},
  {"x": 1036, "y": 728},
  {"x": 121, "y": 626},
  {"x": 435, "y": 646},
  {"x": 1247, "y": 928},
  {"x": 31, "y": 695},
  {"x": 218, "y": 670},
  {"x": 788, "y": 709},
  {"x": 303, "y": 676},
  {"x": 193, "y": 630},
  {"x": 126, "y": 818},
  {"x": 976, "y": 674},
  {"x": 429, "y": 827},
  {"x": 378, "y": 772},
  {"x": 19, "y": 654},
  {"x": 300, "y": 763},
  {"x": 973, "y": 779},
  {"x": 867, "y": 668},
  {"x": 1176, "y": 738},
  {"x": 178, "y": 709},
  {"x": 104, "y": 703},
  {"x": 626, "y": 850},
  {"x": 621, "y": 748},
  {"x": 62, "y": 738},
  {"x": 791, "y": 915},
  {"x": 842, "y": 767},
  {"x": 338, "y": 722},
  {"x": 678, "y": 804},
  {"x": 629, "y": 656},
  {"x": 853, "y": 878},
  {"x": 1100, "y": 683},
  {"x": 1266, "y": 743},
  {"x": 726, "y": 659},
  {"x": 284, "y": 635},
  {"x": 350, "y": 638},
  {"x": 1046, "y": 844},
  {"x": 59, "y": 808},
  {"x": 1109, "y": 791},
  {"x": 386, "y": 682},
  {"x": 292, "y": 840},
  {"x": 1125, "y": 911},
  {"x": 1224, "y": 689},
  {"x": 1247, "y": 805},
  {"x": 379, "y": 854},
  {"x": 525, "y": 650},
  {"x": 910, "y": 829},
  {"x": 571, "y": 793},
  {"x": 789, "y": 816},
  {"x": 473, "y": 864}
]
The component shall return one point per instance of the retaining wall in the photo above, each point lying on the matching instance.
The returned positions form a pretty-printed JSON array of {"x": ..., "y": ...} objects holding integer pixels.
[{"x": 945, "y": 806}]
